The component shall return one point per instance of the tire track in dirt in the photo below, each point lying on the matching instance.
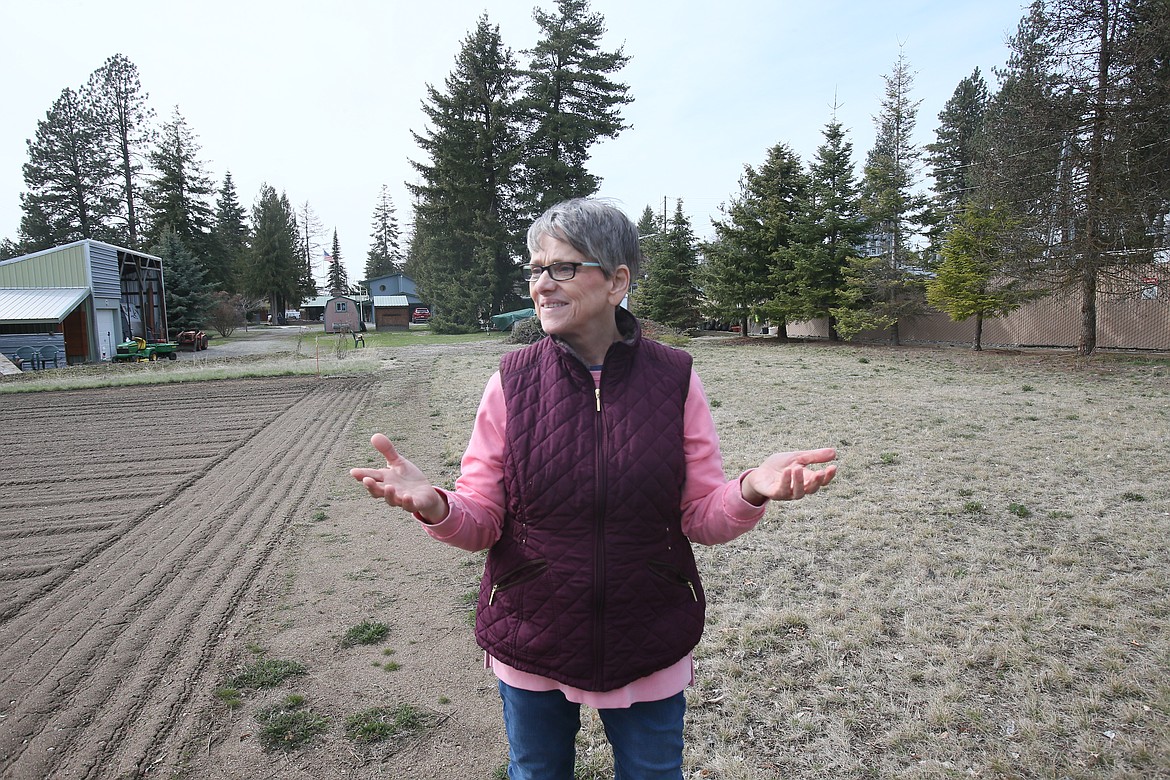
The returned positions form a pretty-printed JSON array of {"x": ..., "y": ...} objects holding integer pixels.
[{"x": 98, "y": 665}]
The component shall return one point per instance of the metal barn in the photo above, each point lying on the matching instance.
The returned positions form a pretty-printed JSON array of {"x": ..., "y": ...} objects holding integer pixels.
[{"x": 83, "y": 297}]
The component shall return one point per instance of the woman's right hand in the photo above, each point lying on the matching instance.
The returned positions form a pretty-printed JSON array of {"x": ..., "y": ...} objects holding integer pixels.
[{"x": 402, "y": 484}]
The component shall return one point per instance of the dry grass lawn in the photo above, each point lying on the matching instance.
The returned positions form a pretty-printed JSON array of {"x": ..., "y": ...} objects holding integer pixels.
[{"x": 982, "y": 593}]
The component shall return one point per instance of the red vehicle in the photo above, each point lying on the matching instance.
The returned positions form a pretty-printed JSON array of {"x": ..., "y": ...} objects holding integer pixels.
[{"x": 421, "y": 314}]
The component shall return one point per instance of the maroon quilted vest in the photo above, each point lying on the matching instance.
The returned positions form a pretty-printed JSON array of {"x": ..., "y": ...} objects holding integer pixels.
[{"x": 592, "y": 582}]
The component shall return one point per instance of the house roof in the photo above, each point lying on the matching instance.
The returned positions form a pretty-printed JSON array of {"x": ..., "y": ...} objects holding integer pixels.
[
  {"x": 391, "y": 301},
  {"x": 46, "y": 305}
]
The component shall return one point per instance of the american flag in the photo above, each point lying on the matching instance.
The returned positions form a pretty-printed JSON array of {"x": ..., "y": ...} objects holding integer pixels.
[{"x": 328, "y": 257}]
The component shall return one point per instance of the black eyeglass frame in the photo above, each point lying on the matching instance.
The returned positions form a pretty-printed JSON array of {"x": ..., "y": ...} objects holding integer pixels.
[{"x": 531, "y": 274}]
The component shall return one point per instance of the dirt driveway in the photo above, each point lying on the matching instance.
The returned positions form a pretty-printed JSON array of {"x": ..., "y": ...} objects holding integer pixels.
[{"x": 155, "y": 540}]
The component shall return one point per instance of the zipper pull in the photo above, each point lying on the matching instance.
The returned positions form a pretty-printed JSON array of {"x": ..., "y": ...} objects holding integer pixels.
[
  {"x": 492, "y": 595},
  {"x": 597, "y": 394},
  {"x": 694, "y": 595}
]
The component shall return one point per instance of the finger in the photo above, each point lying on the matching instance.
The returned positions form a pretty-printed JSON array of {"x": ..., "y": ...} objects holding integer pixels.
[
  {"x": 796, "y": 483},
  {"x": 824, "y": 455},
  {"x": 382, "y": 444}
]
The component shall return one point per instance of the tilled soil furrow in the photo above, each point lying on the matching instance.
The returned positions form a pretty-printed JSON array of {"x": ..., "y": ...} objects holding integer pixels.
[
  {"x": 145, "y": 505},
  {"x": 158, "y": 731},
  {"x": 150, "y": 626}
]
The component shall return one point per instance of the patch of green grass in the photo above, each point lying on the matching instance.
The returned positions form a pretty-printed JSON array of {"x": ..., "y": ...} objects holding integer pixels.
[
  {"x": 318, "y": 516},
  {"x": 367, "y": 632},
  {"x": 1019, "y": 510},
  {"x": 888, "y": 458},
  {"x": 973, "y": 507},
  {"x": 229, "y": 696},
  {"x": 1131, "y": 496},
  {"x": 290, "y": 724},
  {"x": 391, "y": 666},
  {"x": 444, "y": 700},
  {"x": 267, "y": 673},
  {"x": 381, "y": 723}
]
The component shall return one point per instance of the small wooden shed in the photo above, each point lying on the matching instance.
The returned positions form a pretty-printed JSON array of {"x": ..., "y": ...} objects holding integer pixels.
[{"x": 342, "y": 313}]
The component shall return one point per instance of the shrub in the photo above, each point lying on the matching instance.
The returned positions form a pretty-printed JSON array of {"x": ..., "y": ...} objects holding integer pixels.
[{"x": 525, "y": 332}]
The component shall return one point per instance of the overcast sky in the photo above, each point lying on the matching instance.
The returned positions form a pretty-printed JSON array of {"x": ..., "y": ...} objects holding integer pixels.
[{"x": 319, "y": 98}]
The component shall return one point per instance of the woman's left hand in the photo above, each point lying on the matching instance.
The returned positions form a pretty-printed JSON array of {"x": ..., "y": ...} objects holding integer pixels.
[{"x": 785, "y": 476}]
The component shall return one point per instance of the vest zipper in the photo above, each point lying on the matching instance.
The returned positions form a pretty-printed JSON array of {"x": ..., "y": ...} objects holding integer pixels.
[{"x": 599, "y": 541}]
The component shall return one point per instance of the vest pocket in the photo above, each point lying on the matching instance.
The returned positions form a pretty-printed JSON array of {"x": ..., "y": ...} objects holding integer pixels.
[
  {"x": 673, "y": 575},
  {"x": 523, "y": 573}
]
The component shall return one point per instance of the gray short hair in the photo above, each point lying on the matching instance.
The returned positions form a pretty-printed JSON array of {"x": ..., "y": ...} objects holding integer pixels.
[{"x": 595, "y": 228}]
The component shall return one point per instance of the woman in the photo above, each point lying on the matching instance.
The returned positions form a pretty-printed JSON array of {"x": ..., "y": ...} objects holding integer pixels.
[{"x": 592, "y": 465}]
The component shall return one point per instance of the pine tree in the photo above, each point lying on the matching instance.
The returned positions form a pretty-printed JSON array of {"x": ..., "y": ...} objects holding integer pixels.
[
  {"x": 120, "y": 106},
  {"x": 228, "y": 248},
  {"x": 828, "y": 232},
  {"x": 338, "y": 277},
  {"x": 745, "y": 267},
  {"x": 1079, "y": 152},
  {"x": 273, "y": 271},
  {"x": 969, "y": 281},
  {"x": 385, "y": 256},
  {"x": 571, "y": 102},
  {"x": 667, "y": 294},
  {"x": 189, "y": 297},
  {"x": 888, "y": 286},
  {"x": 466, "y": 239},
  {"x": 177, "y": 196},
  {"x": 68, "y": 176},
  {"x": 955, "y": 156}
]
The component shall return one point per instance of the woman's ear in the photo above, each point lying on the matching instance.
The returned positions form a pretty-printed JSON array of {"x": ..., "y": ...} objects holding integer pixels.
[{"x": 619, "y": 284}]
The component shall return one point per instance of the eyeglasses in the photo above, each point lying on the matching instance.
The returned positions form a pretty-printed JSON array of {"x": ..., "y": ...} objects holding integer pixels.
[{"x": 561, "y": 272}]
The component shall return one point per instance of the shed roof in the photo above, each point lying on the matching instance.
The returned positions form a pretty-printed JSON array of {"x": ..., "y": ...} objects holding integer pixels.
[
  {"x": 39, "y": 304},
  {"x": 391, "y": 301}
]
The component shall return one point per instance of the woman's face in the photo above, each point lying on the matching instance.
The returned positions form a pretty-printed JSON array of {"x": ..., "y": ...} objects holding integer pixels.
[{"x": 578, "y": 306}]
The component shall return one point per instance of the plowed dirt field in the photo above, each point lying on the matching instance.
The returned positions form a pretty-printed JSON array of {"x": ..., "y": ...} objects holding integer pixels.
[{"x": 153, "y": 541}]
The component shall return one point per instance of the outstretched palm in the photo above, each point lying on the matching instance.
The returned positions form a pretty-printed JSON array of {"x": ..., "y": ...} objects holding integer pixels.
[{"x": 400, "y": 483}]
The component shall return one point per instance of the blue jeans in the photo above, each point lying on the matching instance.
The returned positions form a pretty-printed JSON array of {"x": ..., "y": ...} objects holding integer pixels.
[{"x": 542, "y": 726}]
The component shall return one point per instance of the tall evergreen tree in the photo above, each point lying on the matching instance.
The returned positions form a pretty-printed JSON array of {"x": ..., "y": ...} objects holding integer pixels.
[
  {"x": 273, "y": 271},
  {"x": 466, "y": 239},
  {"x": 668, "y": 294},
  {"x": 784, "y": 187},
  {"x": 68, "y": 176},
  {"x": 955, "y": 156},
  {"x": 888, "y": 287},
  {"x": 745, "y": 265},
  {"x": 571, "y": 101},
  {"x": 178, "y": 194},
  {"x": 385, "y": 256},
  {"x": 119, "y": 104},
  {"x": 829, "y": 230},
  {"x": 338, "y": 277},
  {"x": 228, "y": 247},
  {"x": 188, "y": 295},
  {"x": 1078, "y": 139}
]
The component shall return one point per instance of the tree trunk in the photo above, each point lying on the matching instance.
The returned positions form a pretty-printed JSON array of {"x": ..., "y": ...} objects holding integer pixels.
[
  {"x": 978, "y": 346},
  {"x": 1088, "y": 339}
]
